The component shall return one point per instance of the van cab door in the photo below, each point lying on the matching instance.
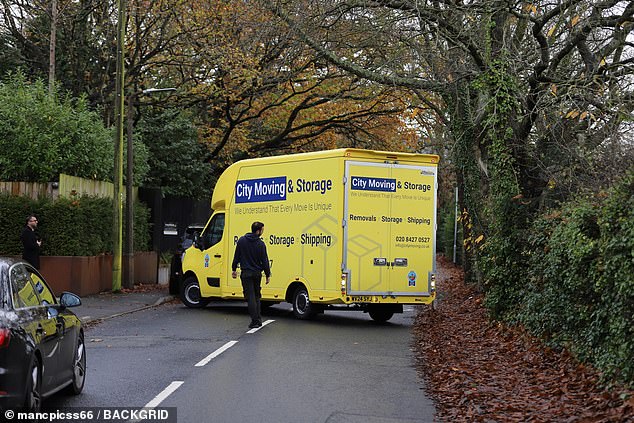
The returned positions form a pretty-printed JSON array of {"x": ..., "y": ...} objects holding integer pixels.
[{"x": 207, "y": 257}]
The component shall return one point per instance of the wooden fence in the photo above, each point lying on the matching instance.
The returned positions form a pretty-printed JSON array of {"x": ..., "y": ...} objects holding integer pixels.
[
  {"x": 33, "y": 190},
  {"x": 66, "y": 187},
  {"x": 73, "y": 185}
]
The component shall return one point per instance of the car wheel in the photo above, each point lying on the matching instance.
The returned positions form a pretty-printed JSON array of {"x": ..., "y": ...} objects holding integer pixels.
[
  {"x": 190, "y": 294},
  {"x": 302, "y": 307},
  {"x": 79, "y": 367},
  {"x": 33, "y": 400}
]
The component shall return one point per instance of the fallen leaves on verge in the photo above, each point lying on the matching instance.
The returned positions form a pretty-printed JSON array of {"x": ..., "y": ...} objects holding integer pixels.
[
  {"x": 149, "y": 287},
  {"x": 483, "y": 371},
  {"x": 140, "y": 288}
]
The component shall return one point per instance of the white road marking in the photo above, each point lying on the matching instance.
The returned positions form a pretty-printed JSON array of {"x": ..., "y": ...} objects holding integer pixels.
[
  {"x": 161, "y": 397},
  {"x": 175, "y": 385},
  {"x": 164, "y": 394},
  {"x": 254, "y": 330},
  {"x": 216, "y": 353}
]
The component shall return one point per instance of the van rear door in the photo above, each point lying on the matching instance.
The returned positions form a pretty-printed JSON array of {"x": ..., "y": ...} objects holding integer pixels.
[{"x": 389, "y": 228}]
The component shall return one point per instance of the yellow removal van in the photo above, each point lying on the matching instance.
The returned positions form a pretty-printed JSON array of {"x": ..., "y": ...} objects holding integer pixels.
[{"x": 345, "y": 229}]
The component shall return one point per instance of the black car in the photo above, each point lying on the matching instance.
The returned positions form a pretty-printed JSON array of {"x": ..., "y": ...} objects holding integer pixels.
[
  {"x": 41, "y": 340},
  {"x": 176, "y": 268}
]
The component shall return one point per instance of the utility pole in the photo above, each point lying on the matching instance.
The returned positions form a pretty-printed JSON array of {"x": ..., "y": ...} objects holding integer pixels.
[
  {"x": 117, "y": 229},
  {"x": 51, "y": 48}
]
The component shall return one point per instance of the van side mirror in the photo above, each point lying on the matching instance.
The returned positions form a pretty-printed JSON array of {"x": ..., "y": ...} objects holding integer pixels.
[{"x": 197, "y": 241}]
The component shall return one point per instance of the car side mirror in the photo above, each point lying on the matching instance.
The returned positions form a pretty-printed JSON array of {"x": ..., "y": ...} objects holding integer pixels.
[{"x": 68, "y": 299}]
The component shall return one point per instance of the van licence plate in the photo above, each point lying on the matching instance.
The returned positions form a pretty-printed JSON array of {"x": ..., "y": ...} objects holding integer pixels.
[{"x": 362, "y": 299}]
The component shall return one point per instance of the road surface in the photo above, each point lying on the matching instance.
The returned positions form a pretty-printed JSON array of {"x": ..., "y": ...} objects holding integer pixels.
[{"x": 340, "y": 367}]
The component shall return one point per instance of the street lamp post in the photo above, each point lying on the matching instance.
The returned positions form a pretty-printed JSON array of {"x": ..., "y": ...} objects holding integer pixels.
[
  {"x": 117, "y": 230},
  {"x": 157, "y": 90},
  {"x": 128, "y": 280},
  {"x": 129, "y": 187}
]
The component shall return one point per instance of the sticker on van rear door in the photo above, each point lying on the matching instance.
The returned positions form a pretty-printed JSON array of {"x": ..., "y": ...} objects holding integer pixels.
[
  {"x": 373, "y": 184},
  {"x": 411, "y": 277}
]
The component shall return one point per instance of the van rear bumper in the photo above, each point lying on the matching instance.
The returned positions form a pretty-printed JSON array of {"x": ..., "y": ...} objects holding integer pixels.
[{"x": 374, "y": 299}]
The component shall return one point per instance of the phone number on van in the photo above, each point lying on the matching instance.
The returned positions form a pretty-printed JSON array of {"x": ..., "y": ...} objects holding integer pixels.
[{"x": 423, "y": 239}]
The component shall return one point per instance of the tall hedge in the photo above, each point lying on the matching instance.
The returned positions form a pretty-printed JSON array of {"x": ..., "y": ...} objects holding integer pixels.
[
  {"x": 579, "y": 290},
  {"x": 80, "y": 226},
  {"x": 42, "y": 136}
]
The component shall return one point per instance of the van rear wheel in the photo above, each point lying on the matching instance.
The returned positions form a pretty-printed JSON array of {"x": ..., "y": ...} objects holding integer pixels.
[
  {"x": 380, "y": 315},
  {"x": 190, "y": 294},
  {"x": 302, "y": 307}
]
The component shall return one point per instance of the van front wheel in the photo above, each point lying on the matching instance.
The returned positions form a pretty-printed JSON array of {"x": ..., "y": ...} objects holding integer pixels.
[
  {"x": 302, "y": 307},
  {"x": 190, "y": 294}
]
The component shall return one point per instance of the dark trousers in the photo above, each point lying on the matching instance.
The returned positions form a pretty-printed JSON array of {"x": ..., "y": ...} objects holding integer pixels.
[{"x": 251, "y": 288}]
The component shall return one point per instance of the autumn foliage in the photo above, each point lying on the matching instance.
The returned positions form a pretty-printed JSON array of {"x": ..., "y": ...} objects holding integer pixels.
[{"x": 255, "y": 89}]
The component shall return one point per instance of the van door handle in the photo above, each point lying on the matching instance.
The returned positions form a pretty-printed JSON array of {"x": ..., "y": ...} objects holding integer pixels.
[
  {"x": 217, "y": 255},
  {"x": 381, "y": 261}
]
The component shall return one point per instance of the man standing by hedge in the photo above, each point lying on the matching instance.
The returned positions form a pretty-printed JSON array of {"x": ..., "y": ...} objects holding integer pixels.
[{"x": 31, "y": 242}]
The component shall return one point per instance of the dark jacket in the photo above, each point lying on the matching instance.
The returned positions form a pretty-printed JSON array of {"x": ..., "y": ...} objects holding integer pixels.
[
  {"x": 251, "y": 255},
  {"x": 31, "y": 252}
]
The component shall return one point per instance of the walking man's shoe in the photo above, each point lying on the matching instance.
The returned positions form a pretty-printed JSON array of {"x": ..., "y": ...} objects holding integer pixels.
[{"x": 255, "y": 325}]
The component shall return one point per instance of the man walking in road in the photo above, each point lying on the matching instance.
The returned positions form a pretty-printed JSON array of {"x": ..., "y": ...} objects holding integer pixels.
[
  {"x": 31, "y": 242},
  {"x": 251, "y": 255}
]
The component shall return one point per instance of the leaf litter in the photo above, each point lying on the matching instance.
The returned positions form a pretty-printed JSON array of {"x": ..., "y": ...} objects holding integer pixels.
[{"x": 479, "y": 370}]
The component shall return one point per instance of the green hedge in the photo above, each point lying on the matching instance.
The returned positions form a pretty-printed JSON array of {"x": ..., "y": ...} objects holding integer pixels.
[
  {"x": 580, "y": 280},
  {"x": 43, "y": 135},
  {"x": 80, "y": 226}
]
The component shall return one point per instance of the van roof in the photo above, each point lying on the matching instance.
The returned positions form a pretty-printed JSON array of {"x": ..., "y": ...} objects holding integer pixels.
[
  {"x": 342, "y": 152},
  {"x": 218, "y": 198}
]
